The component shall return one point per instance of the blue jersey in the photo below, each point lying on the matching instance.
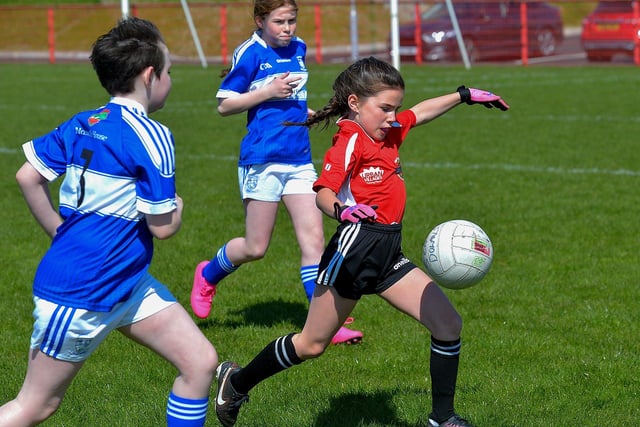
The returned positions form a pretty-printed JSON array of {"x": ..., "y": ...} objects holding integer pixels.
[
  {"x": 118, "y": 164},
  {"x": 255, "y": 64}
]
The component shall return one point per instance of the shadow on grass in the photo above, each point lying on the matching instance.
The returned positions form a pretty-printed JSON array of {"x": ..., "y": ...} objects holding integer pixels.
[
  {"x": 362, "y": 410},
  {"x": 264, "y": 314}
]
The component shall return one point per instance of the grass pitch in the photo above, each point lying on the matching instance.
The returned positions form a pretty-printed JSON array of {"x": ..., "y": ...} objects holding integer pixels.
[{"x": 550, "y": 335}]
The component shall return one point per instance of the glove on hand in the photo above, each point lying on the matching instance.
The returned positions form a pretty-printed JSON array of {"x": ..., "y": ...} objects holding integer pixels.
[
  {"x": 355, "y": 213},
  {"x": 478, "y": 96}
]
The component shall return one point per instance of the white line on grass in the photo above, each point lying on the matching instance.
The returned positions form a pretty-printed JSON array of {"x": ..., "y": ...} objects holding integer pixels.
[
  {"x": 498, "y": 166},
  {"x": 446, "y": 165}
]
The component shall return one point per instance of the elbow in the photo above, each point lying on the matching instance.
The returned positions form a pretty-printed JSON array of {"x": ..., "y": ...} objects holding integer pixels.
[
  {"x": 224, "y": 111},
  {"x": 163, "y": 233}
]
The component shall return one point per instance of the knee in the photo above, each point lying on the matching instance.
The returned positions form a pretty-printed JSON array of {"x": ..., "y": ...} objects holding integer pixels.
[
  {"x": 201, "y": 363},
  {"x": 31, "y": 413},
  {"x": 310, "y": 350},
  {"x": 448, "y": 327},
  {"x": 255, "y": 253},
  {"x": 208, "y": 362}
]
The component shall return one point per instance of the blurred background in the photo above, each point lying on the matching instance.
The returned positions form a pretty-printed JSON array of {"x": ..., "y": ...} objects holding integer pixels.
[{"x": 339, "y": 31}]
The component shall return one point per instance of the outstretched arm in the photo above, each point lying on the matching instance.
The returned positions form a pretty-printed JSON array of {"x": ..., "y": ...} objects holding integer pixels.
[
  {"x": 433, "y": 108},
  {"x": 35, "y": 190},
  {"x": 430, "y": 109}
]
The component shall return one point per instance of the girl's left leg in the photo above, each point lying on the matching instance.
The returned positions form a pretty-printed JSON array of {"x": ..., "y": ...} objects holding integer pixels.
[
  {"x": 172, "y": 334},
  {"x": 307, "y": 223},
  {"x": 419, "y": 297}
]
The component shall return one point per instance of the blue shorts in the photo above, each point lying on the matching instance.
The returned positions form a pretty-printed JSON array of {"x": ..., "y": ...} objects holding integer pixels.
[
  {"x": 270, "y": 181},
  {"x": 72, "y": 334}
]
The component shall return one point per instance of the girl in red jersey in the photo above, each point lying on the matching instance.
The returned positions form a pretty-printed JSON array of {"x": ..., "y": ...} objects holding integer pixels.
[{"x": 361, "y": 186}]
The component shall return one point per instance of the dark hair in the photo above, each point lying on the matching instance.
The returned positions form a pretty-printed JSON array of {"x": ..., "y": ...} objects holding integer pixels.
[
  {"x": 364, "y": 78},
  {"x": 120, "y": 55},
  {"x": 262, "y": 8}
]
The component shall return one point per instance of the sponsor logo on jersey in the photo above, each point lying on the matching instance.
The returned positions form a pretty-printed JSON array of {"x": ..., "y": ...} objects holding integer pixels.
[
  {"x": 91, "y": 134},
  {"x": 97, "y": 118},
  {"x": 265, "y": 66},
  {"x": 301, "y": 63},
  {"x": 373, "y": 175}
]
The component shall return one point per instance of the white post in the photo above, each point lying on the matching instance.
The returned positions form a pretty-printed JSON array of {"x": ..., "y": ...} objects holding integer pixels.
[
  {"x": 353, "y": 19},
  {"x": 194, "y": 33},
  {"x": 395, "y": 38},
  {"x": 124, "y": 7},
  {"x": 456, "y": 29}
]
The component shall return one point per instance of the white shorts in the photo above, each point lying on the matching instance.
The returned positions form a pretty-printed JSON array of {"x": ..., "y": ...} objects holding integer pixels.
[
  {"x": 270, "y": 181},
  {"x": 72, "y": 334}
]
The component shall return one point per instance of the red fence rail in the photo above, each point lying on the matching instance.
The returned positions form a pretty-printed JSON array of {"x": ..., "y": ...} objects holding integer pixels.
[{"x": 65, "y": 32}]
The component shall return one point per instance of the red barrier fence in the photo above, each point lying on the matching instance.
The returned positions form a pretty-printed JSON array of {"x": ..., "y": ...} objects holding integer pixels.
[{"x": 65, "y": 32}]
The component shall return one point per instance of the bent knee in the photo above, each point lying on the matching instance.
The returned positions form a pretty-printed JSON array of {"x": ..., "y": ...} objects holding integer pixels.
[
  {"x": 201, "y": 363},
  {"x": 311, "y": 351},
  {"x": 255, "y": 253},
  {"x": 448, "y": 328}
]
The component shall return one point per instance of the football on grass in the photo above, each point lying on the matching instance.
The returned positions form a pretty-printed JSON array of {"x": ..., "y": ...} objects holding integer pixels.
[{"x": 457, "y": 254}]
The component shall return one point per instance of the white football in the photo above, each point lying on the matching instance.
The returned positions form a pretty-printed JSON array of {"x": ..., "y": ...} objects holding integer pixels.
[{"x": 457, "y": 254}]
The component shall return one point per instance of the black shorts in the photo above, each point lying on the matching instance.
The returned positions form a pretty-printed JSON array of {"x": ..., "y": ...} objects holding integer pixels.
[{"x": 363, "y": 259}]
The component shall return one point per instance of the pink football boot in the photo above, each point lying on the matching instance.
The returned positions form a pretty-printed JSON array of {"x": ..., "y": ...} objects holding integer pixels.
[
  {"x": 346, "y": 335},
  {"x": 202, "y": 293}
]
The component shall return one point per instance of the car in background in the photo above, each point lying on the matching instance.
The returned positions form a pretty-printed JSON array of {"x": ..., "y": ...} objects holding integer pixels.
[
  {"x": 609, "y": 30},
  {"x": 490, "y": 30}
]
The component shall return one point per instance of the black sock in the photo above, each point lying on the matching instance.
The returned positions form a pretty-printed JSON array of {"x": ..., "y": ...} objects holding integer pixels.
[
  {"x": 277, "y": 356},
  {"x": 444, "y": 373}
]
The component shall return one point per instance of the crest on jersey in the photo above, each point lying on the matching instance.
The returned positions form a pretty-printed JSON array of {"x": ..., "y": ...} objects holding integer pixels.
[
  {"x": 97, "y": 118},
  {"x": 82, "y": 345},
  {"x": 399, "y": 168}
]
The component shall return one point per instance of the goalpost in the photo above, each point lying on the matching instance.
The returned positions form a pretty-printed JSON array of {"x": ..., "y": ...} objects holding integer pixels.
[
  {"x": 395, "y": 43},
  {"x": 126, "y": 10}
]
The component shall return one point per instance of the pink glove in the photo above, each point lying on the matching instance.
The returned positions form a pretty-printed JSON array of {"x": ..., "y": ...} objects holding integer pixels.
[
  {"x": 479, "y": 96},
  {"x": 355, "y": 213}
]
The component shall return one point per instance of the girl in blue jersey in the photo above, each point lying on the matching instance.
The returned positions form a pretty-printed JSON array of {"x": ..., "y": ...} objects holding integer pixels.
[
  {"x": 118, "y": 194},
  {"x": 268, "y": 79}
]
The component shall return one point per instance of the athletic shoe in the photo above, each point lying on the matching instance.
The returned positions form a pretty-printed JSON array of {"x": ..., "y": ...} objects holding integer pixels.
[
  {"x": 228, "y": 401},
  {"x": 455, "y": 421},
  {"x": 346, "y": 335},
  {"x": 202, "y": 292}
]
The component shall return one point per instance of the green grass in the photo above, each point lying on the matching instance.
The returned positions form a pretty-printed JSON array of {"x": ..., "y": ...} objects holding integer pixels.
[{"x": 550, "y": 335}]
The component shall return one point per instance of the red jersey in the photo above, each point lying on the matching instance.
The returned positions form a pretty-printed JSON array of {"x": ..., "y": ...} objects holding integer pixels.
[{"x": 361, "y": 170}]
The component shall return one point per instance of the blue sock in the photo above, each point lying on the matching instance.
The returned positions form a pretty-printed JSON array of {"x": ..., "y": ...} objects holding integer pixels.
[
  {"x": 183, "y": 412},
  {"x": 219, "y": 267},
  {"x": 308, "y": 274}
]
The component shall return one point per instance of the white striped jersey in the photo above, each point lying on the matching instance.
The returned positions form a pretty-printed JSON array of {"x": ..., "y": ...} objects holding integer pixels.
[
  {"x": 254, "y": 65},
  {"x": 118, "y": 164}
]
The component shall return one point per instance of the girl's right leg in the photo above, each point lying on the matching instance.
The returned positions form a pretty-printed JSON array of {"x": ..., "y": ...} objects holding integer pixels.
[
  {"x": 327, "y": 312},
  {"x": 44, "y": 386},
  {"x": 260, "y": 219}
]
